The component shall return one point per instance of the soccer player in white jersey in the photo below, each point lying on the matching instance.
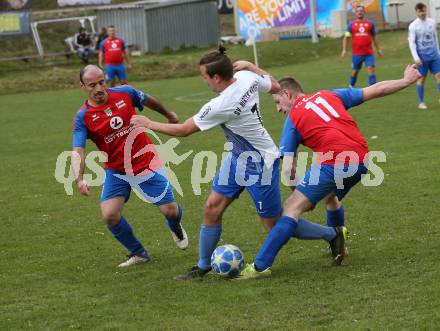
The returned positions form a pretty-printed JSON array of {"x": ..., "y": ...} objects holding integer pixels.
[
  {"x": 423, "y": 44},
  {"x": 253, "y": 162}
]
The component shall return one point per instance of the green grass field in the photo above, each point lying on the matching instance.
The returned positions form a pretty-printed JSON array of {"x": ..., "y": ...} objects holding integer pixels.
[{"x": 58, "y": 261}]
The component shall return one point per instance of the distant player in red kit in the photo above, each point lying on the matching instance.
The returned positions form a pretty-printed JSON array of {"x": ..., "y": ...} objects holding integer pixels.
[
  {"x": 104, "y": 118},
  {"x": 113, "y": 51},
  {"x": 321, "y": 122},
  {"x": 362, "y": 33}
]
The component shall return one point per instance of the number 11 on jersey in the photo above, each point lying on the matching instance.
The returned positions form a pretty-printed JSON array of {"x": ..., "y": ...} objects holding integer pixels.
[{"x": 319, "y": 111}]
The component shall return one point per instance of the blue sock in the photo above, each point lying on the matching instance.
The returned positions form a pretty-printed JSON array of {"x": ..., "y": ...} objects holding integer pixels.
[
  {"x": 280, "y": 234},
  {"x": 313, "y": 231},
  {"x": 174, "y": 223},
  {"x": 123, "y": 232},
  {"x": 371, "y": 79},
  {"x": 335, "y": 217},
  {"x": 438, "y": 87},
  {"x": 421, "y": 92},
  {"x": 209, "y": 238},
  {"x": 353, "y": 80}
]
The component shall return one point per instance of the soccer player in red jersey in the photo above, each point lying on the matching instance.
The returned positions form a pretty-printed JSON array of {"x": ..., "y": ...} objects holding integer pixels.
[
  {"x": 362, "y": 33},
  {"x": 321, "y": 122},
  {"x": 132, "y": 160},
  {"x": 113, "y": 51}
]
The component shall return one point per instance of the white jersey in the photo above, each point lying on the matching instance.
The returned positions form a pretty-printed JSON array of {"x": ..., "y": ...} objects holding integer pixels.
[
  {"x": 422, "y": 39},
  {"x": 237, "y": 110}
]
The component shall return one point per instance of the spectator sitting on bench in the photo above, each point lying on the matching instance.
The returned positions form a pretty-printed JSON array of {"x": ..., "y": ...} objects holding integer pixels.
[{"x": 84, "y": 45}]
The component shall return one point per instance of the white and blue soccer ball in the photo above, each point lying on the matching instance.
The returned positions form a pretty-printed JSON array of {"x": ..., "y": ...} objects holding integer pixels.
[{"x": 227, "y": 261}]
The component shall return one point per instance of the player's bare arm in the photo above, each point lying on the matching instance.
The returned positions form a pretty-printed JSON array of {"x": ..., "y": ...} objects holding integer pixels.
[
  {"x": 155, "y": 105},
  {"x": 345, "y": 44},
  {"x": 381, "y": 89},
  {"x": 289, "y": 170},
  {"x": 78, "y": 157},
  {"x": 376, "y": 44},
  {"x": 100, "y": 58},
  {"x": 127, "y": 59},
  {"x": 177, "y": 130},
  {"x": 246, "y": 65}
]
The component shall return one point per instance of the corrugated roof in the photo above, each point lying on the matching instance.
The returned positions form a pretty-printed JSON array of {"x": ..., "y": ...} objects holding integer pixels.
[{"x": 147, "y": 4}]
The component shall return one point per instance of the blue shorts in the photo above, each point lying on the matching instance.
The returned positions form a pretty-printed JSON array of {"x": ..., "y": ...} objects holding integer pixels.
[
  {"x": 433, "y": 66},
  {"x": 113, "y": 70},
  {"x": 263, "y": 185},
  {"x": 357, "y": 61},
  {"x": 153, "y": 187},
  {"x": 320, "y": 181}
]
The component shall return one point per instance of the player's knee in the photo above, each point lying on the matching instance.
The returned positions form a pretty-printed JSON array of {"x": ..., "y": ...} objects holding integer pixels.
[
  {"x": 269, "y": 223},
  {"x": 213, "y": 207},
  {"x": 111, "y": 216},
  {"x": 170, "y": 210},
  {"x": 332, "y": 202}
]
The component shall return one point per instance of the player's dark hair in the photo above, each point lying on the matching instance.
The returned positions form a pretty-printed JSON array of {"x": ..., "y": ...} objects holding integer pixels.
[
  {"x": 218, "y": 63},
  {"x": 289, "y": 83},
  {"x": 420, "y": 6},
  {"x": 83, "y": 71},
  {"x": 111, "y": 26}
]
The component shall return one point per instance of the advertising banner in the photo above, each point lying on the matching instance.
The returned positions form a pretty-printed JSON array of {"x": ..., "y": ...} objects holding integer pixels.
[
  {"x": 14, "y": 23},
  {"x": 371, "y": 6},
  {"x": 255, "y": 15},
  {"x": 225, "y": 6}
]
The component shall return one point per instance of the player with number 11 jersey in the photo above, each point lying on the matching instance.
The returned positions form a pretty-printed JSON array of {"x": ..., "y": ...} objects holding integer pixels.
[{"x": 321, "y": 122}]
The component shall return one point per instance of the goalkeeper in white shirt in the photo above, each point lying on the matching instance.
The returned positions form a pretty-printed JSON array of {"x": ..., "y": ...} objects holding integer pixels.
[{"x": 424, "y": 47}]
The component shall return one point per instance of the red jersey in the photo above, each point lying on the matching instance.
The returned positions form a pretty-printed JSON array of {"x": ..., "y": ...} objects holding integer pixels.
[
  {"x": 108, "y": 126},
  {"x": 361, "y": 36},
  {"x": 113, "y": 50},
  {"x": 321, "y": 122}
]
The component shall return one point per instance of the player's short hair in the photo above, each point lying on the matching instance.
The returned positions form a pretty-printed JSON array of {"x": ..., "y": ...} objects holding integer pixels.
[
  {"x": 111, "y": 27},
  {"x": 218, "y": 63},
  {"x": 83, "y": 71},
  {"x": 420, "y": 6},
  {"x": 289, "y": 83}
]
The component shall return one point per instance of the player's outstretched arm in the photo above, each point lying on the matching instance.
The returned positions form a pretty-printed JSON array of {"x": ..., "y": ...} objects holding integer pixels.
[
  {"x": 178, "y": 130},
  {"x": 381, "y": 89},
  {"x": 155, "y": 105},
  {"x": 246, "y": 65},
  {"x": 78, "y": 154}
]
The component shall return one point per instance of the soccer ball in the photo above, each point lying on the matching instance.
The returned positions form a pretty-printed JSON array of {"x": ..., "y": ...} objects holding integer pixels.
[{"x": 227, "y": 261}]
